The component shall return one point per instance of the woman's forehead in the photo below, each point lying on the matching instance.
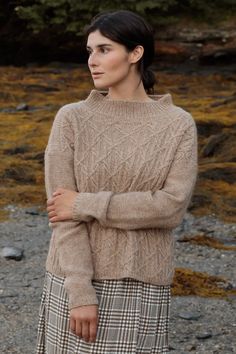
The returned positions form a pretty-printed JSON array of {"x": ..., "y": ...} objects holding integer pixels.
[{"x": 96, "y": 39}]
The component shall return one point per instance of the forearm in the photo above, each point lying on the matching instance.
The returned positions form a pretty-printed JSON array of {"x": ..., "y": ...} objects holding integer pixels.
[
  {"x": 70, "y": 238},
  {"x": 162, "y": 208},
  {"x": 133, "y": 210},
  {"x": 75, "y": 259}
]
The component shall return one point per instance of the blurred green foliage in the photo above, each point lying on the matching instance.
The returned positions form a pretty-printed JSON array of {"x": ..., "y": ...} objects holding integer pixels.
[{"x": 71, "y": 15}]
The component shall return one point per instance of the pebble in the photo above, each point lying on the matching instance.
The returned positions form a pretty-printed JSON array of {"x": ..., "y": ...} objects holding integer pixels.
[
  {"x": 190, "y": 347},
  {"x": 15, "y": 253},
  {"x": 203, "y": 335},
  {"x": 189, "y": 316},
  {"x": 32, "y": 211}
]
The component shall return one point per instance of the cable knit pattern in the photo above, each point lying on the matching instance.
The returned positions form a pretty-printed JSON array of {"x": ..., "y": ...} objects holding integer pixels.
[{"x": 134, "y": 165}]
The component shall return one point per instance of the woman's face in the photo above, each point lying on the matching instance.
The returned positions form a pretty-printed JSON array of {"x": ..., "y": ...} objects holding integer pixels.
[{"x": 109, "y": 62}]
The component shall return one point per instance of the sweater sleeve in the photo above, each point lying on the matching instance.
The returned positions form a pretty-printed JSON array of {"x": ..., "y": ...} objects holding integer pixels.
[
  {"x": 163, "y": 208},
  {"x": 71, "y": 237}
]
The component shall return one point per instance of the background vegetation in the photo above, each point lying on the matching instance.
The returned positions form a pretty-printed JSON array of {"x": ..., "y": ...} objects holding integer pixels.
[
  {"x": 72, "y": 15},
  {"x": 48, "y": 30}
]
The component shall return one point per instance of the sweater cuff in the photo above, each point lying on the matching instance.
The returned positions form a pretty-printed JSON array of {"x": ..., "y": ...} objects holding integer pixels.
[
  {"x": 88, "y": 206},
  {"x": 81, "y": 298}
]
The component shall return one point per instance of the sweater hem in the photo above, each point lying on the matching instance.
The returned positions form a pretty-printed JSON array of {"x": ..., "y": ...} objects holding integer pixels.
[
  {"x": 135, "y": 277},
  {"x": 107, "y": 276}
]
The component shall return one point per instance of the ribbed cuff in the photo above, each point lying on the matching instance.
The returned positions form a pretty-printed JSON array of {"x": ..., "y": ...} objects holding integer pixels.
[
  {"x": 81, "y": 296},
  {"x": 82, "y": 301}
]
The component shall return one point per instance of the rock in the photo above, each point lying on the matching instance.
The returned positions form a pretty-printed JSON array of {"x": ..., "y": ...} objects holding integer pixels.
[
  {"x": 31, "y": 225},
  {"x": 199, "y": 200},
  {"x": 39, "y": 156},
  {"x": 22, "y": 107},
  {"x": 227, "y": 285},
  {"x": 218, "y": 54},
  {"x": 171, "y": 347},
  {"x": 32, "y": 211},
  {"x": 224, "y": 101},
  {"x": 21, "y": 149},
  {"x": 191, "y": 347},
  {"x": 20, "y": 173},
  {"x": 222, "y": 146},
  {"x": 12, "y": 253},
  {"x": 212, "y": 144},
  {"x": 7, "y": 293},
  {"x": 190, "y": 316},
  {"x": 204, "y": 335},
  {"x": 7, "y": 110},
  {"x": 227, "y": 174},
  {"x": 209, "y": 128},
  {"x": 42, "y": 88}
]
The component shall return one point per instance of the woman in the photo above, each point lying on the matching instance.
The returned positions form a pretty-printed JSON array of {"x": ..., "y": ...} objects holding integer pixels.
[{"x": 120, "y": 169}]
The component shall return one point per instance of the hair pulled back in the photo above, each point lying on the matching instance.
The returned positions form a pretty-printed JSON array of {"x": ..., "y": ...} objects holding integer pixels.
[{"x": 129, "y": 29}]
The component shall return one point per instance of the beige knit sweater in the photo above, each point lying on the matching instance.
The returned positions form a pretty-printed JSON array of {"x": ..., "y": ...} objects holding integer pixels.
[{"x": 134, "y": 165}]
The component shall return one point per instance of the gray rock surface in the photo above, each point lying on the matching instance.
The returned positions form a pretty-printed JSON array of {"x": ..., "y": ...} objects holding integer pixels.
[{"x": 198, "y": 325}]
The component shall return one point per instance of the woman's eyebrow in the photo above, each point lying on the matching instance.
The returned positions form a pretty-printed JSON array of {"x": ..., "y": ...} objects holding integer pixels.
[{"x": 100, "y": 45}]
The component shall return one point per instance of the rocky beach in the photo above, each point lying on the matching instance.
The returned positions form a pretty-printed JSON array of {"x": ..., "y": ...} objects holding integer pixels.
[
  {"x": 204, "y": 289},
  {"x": 199, "y": 324}
]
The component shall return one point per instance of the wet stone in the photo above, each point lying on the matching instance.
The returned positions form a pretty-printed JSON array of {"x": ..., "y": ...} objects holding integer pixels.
[{"x": 15, "y": 253}]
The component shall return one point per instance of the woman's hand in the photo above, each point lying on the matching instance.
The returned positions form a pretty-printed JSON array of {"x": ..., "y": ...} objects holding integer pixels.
[
  {"x": 60, "y": 206},
  {"x": 84, "y": 322}
]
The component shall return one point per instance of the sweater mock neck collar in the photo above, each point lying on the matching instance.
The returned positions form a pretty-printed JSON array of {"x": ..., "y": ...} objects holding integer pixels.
[{"x": 96, "y": 101}]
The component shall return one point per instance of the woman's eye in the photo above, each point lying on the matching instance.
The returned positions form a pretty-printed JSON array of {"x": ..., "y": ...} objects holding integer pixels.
[{"x": 104, "y": 50}]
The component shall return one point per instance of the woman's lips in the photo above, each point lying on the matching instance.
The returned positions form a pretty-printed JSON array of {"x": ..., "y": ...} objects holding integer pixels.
[{"x": 96, "y": 75}]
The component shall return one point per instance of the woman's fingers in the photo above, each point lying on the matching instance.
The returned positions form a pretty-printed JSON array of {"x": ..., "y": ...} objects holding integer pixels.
[
  {"x": 72, "y": 325},
  {"x": 52, "y": 213},
  {"x": 50, "y": 208},
  {"x": 93, "y": 330},
  {"x": 53, "y": 217},
  {"x": 78, "y": 330},
  {"x": 86, "y": 318},
  {"x": 59, "y": 191},
  {"x": 85, "y": 330},
  {"x": 56, "y": 193},
  {"x": 50, "y": 201}
]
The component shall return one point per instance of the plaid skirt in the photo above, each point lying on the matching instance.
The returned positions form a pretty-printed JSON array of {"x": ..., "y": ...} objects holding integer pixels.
[{"x": 133, "y": 318}]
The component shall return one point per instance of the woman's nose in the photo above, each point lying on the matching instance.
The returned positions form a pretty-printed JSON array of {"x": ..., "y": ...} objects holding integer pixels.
[{"x": 92, "y": 60}]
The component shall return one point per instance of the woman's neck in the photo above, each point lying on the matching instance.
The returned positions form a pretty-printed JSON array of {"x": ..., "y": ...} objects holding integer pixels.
[
  {"x": 130, "y": 98},
  {"x": 128, "y": 93}
]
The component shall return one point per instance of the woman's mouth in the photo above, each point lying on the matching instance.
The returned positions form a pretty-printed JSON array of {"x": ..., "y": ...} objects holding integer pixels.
[{"x": 96, "y": 75}]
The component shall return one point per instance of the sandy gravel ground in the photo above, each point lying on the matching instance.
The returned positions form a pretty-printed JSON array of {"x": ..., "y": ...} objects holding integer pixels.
[{"x": 211, "y": 324}]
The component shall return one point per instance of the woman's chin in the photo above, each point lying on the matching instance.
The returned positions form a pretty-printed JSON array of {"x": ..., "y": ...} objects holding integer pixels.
[{"x": 99, "y": 86}]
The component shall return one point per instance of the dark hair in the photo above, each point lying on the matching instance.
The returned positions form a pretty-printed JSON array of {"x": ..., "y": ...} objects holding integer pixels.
[{"x": 130, "y": 29}]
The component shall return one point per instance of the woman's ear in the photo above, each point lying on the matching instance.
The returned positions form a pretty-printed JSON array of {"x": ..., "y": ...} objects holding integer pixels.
[{"x": 136, "y": 54}]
